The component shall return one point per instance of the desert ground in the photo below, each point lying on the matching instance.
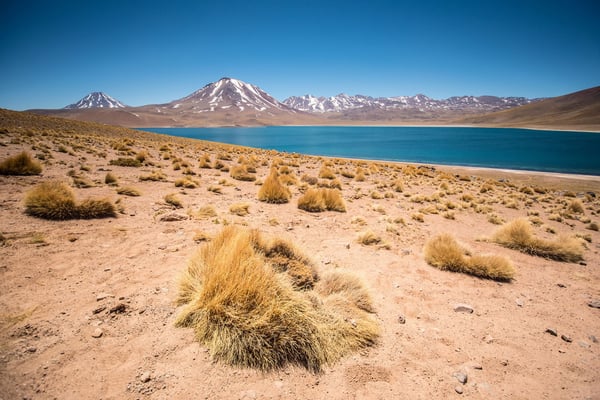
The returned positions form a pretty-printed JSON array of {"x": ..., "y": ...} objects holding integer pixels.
[{"x": 87, "y": 306}]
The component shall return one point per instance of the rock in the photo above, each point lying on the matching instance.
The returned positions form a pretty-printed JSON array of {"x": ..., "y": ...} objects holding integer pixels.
[
  {"x": 476, "y": 365},
  {"x": 519, "y": 302},
  {"x": 171, "y": 217},
  {"x": 145, "y": 377},
  {"x": 583, "y": 344},
  {"x": 464, "y": 308},
  {"x": 97, "y": 333},
  {"x": 458, "y": 389},
  {"x": 347, "y": 245},
  {"x": 561, "y": 285},
  {"x": 401, "y": 319},
  {"x": 504, "y": 363},
  {"x": 566, "y": 338},
  {"x": 31, "y": 349},
  {"x": 102, "y": 296},
  {"x": 593, "y": 338},
  {"x": 582, "y": 263},
  {"x": 551, "y": 331},
  {"x": 594, "y": 304},
  {"x": 118, "y": 309},
  {"x": 99, "y": 310},
  {"x": 461, "y": 377}
]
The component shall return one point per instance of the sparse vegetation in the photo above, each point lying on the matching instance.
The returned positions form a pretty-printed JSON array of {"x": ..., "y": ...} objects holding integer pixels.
[
  {"x": 20, "y": 164},
  {"x": 240, "y": 209},
  {"x": 235, "y": 299},
  {"x": 128, "y": 191},
  {"x": 317, "y": 200},
  {"x": 56, "y": 201},
  {"x": 518, "y": 235},
  {"x": 444, "y": 252},
  {"x": 273, "y": 191},
  {"x": 126, "y": 162},
  {"x": 173, "y": 200}
]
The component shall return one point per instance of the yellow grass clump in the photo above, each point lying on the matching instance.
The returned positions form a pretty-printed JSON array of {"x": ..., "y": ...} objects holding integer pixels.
[
  {"x": 55, "y": 200},
  {"x": 240, "y": 209},
  {"x": 20, "y": 164},
  {"x": 244, "y": 307},
  {"x": 273, "y": 191},
  {"x": 444, "y": 252},
  {"x": 317, "y": 200},
  {"x": 519, "y": 235},
  {"x": 241, "y": 173}
]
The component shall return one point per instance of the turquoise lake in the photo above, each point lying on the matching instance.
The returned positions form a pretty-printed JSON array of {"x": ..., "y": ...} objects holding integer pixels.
[{"x": 523, "y": 149}]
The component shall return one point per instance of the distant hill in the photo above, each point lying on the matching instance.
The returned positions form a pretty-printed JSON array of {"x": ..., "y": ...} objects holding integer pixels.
[{"x": 579, "y": 110}]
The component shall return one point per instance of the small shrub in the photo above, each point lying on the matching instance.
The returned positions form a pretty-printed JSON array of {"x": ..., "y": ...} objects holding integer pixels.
[
  {"x": 55, "y": 200},
  {"x": 240, "y": 297},
  {"x": 445, "y": 253},
  {"x": 240, "y": 209},
  {"x": 173, "y": 200},
  {"x": 128, "y": 191},
  {"x": 110, "y": 179},
  {"x": 518, "y": 235},
  {"x": 186, "y": 183},
  {"x": 154, "y": 176},
  {"x": 20, "y": 164},
  {"x": 593, "y": 226},
  {"x": 368, "y": 238},
  {"x": 576, "y": 207},
  {"x": 240, "y": 172},
  {"x": 317, "y": 200},
  {"x": 326, "y": 173},
  {"x": 419, "y": 217},
  {"x": 126, "y": 162},
  {"x": 273, "y": 191}
]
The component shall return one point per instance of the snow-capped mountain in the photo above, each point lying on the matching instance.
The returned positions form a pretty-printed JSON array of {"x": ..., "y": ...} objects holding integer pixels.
[
  {"x": 96, "y": 100},
  {"x": 229, "y": 94},
  {"x": 343, "y": 102}
]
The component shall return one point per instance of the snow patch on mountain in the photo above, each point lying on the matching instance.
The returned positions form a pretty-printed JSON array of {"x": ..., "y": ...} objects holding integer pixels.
[{"x": 96, "y": 100}]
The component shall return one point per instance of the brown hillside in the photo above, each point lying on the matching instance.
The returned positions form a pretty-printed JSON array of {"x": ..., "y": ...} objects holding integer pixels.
[{"x": 579, "y": 110}]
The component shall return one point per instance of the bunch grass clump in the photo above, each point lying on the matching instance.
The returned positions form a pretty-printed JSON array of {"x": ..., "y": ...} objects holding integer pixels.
[
  {"x": 241, "y": 173},
  {"x": 444, "y": 252},
  {"x": 239, "y": 296},
  {"x": 273, "y": 191},
  {"x": 322, "y": 199},
  {"x": 518, "y": 235},
  {"x": 126, "y": 162},
  {"x": 54, "y": 200},
  {"x": 20, "y": 164}
]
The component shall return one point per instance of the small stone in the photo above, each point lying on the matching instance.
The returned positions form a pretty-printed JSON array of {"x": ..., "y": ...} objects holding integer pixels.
[
  {"x": 464, "y": 308},
  {"x": 504, "y": 363},
  {"x": 145, "y": 377},
  {"x": 461, "y": 377},
  {"x": 401, "y": 319},
  {"x": 118, "y": 309},
  {"x": 583, "y": 344},
  {"x": 97, "y": 333},
  {"x": 593, "y": 338},
  {"x": 594, "y": 304},
  {"x": 102, "y": 296},
  {"x": 32, "y": 349},
  {"x": 99, "y": 310},
  {"x": 476, "y": 366},
  {"x": 519, "y": 302},
  {"x": 551, "y": 331},
  {"x": 561, "y": 285},
  {"x": 582, "y": 263},
  {"x": 566, "y": 338},
  {"x": 347, "y": 245},
  {"x": 458, "y": 389}
]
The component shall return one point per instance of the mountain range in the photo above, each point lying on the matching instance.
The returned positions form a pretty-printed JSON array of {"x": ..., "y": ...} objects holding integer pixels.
[{"x": 232, "y": 102}]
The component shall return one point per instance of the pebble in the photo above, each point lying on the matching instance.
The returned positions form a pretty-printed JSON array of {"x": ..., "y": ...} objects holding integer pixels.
[
  {"x": 594, "y": 304},
  {"x": 97, "y": 333},
  {"x": 519, "y": 302},
  {"x": 102, "y": 296},
  {"x": 583, "y": 344},
  {"x": 461, "y": 377},
  {"x": 561, "y": 285},
  {"x": 566, "y": 338},
  {"x": 401, "y": 319},
  {"x": 476, "y": 366},
  {"x": 582, "y": 263},
  {"x": 458, "y": 389},
  {"x": 32, "y": 349},
  {"x": 145, "y": 377},
  {"x": 593, "y": 338},
  {"x": 551, "y": 331},
  {"x": 465, "y": 308}
]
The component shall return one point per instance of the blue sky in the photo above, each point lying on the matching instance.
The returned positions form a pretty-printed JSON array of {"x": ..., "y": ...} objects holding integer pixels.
[{"x": 52, "y": 53}]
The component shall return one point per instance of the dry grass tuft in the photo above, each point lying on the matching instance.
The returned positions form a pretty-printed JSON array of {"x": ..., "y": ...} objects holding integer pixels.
[
  {"x": 241, "y": 173},
  {"x": 317, "y": 200},
  {"x": 20, "y": 164},
  {"x": 273, "y": 191},
  {"x": 518, "y": 235},
  {"x": 368, "y": 238},
  {"x": 126, "y": 162},
  {"x": 173, "y": 200},
  {"x": 128, "y": 191},
  {"x": 576, "y": 207},
  {"x": 445, "y": 253},
  {"x": 56, "y": 201},
  {"x": 110, "y": 179},
  {"x": 248, "y": 313},
  {"x": 240, "y": 209}
]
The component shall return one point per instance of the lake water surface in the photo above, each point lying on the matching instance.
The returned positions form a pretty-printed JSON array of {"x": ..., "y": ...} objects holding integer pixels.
[{"x": 524, "y": 149}]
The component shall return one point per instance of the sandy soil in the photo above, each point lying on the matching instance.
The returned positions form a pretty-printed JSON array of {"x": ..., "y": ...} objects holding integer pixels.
[{"x": 64, "y": 282}]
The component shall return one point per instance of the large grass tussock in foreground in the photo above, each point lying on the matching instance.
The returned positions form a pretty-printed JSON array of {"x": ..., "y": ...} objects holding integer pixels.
[
  {"x": 260, "y": 304},
  {"x": 55, "y": 200},
  {"x": 518, "y": 235},
  {"x": 444, "y": 252}
]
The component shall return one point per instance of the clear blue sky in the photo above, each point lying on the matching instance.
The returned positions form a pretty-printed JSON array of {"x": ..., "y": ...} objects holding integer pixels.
[{"x": 52, "y": 53}]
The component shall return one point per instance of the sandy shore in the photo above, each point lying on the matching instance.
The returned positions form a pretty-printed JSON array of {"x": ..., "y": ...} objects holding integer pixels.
[{"x": 88, "y": 305}]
